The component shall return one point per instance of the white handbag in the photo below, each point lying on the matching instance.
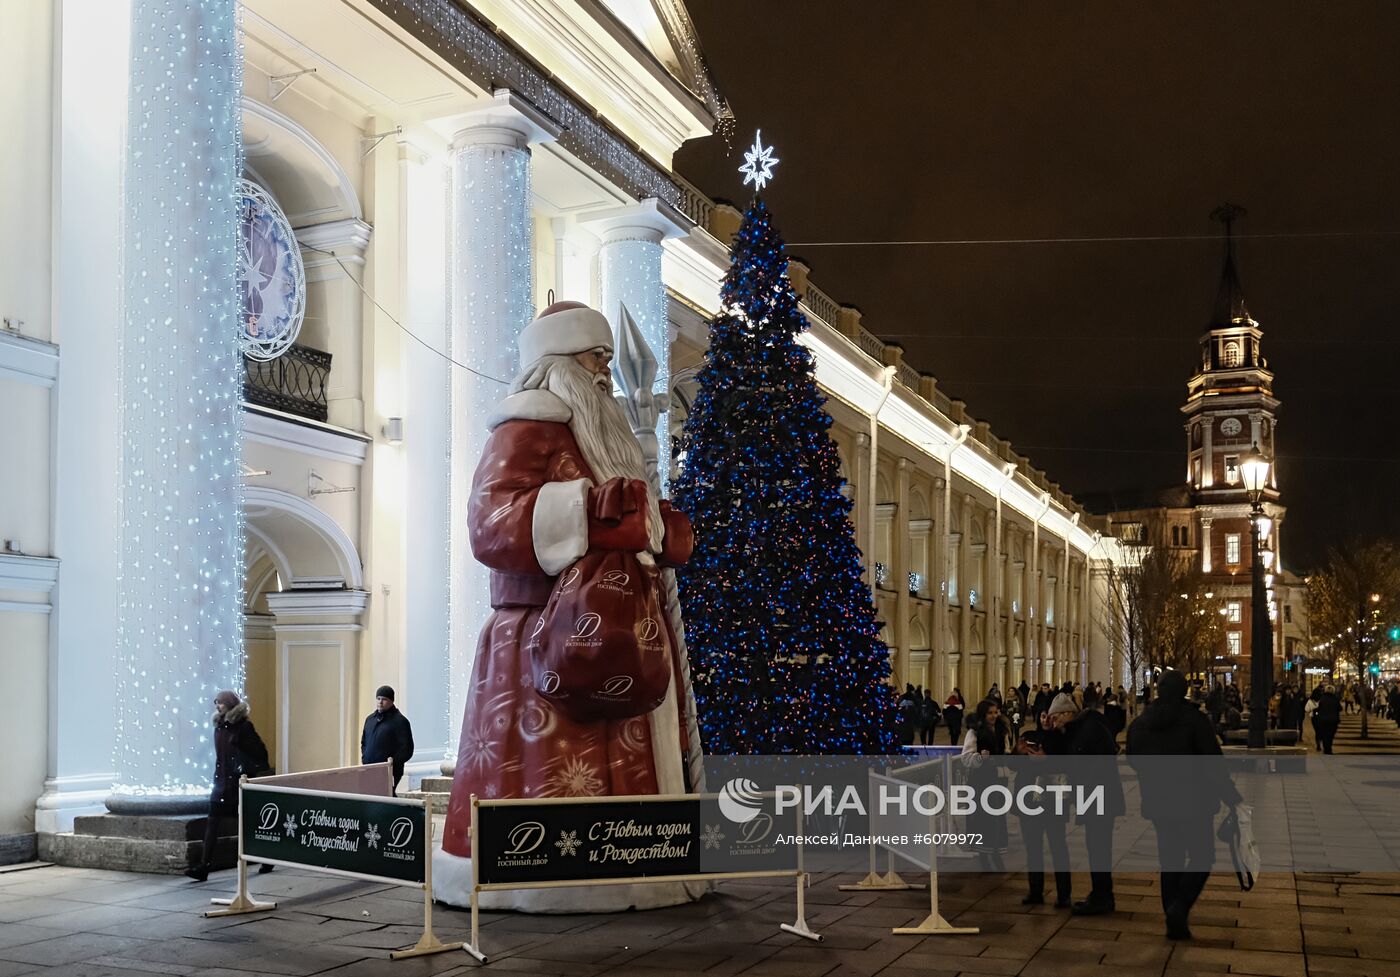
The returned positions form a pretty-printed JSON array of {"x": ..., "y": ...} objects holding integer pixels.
[{"x": 1237, "y": 830}]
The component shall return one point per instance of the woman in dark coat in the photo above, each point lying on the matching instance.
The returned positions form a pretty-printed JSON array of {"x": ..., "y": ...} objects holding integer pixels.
[{"x": 238, "y": 750}]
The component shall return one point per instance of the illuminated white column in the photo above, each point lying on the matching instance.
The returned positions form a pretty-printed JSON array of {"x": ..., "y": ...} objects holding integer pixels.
[
  {"x": 1205, "y": 544},
  {"x": 629, "y": 273},
  {"x": 180, "y": 541},
  {"x": 490, "y": 288}
]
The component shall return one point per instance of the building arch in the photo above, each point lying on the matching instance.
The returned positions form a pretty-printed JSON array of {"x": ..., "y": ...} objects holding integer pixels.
[
  {"x": 306, "y": 179},
  {"x": 309, "y": 548}
]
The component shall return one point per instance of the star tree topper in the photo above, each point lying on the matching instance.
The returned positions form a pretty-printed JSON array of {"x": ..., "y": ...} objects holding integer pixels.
[{"x": 758, "y": 163}]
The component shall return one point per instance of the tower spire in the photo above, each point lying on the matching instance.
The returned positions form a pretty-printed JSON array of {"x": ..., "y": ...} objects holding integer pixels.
[{"x": 1229, "y": 300}]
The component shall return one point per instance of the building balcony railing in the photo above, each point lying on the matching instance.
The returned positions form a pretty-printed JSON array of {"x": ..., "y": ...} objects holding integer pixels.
[
  {"x": 821, "y": 305},
  {"x": 295, "y": 382}
]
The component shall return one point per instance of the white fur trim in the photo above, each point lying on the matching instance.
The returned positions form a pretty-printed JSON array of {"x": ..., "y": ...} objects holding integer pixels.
[
  {"x": 564, "y": 333},
  {"x": 452, "y": 884},
  {"x": 530, "y": 405},
  {"x": 560, "y": 525}
]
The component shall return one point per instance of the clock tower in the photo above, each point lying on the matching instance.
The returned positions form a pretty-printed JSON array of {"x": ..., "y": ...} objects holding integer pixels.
[{"x": 1230, "y": 406}]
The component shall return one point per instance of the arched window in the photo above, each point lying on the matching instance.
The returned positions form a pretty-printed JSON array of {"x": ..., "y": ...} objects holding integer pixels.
[{"x": 1230, "y": 355}]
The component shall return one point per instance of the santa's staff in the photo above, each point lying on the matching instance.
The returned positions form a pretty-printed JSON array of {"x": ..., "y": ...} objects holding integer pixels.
[{"x": 634, "y": 368}]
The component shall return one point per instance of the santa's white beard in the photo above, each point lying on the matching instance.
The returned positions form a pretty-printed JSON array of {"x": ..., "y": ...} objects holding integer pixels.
[{"x": 599, "y": 426}]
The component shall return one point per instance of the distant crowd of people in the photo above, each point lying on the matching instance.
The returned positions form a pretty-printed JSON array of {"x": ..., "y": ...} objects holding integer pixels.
[
  {"x": 1177, "y": 717},
  {"x": 920, "y": 715}
]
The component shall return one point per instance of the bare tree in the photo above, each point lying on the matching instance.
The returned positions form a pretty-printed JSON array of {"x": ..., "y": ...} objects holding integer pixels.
[
  {"x": 1160, "y": 613},
  {"x": 1353, "y": 600},
  {"x": 1119, "y": 619}
]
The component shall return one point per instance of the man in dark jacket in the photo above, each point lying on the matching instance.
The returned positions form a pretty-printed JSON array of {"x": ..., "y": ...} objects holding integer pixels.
[
  {"x": 929, "y": 717},
  {"x": 1086, "y": 735},
  {"x": 1326, "y": 718},
  {"x": 1041, "y": 704},
  {"x": 238, "y": 750},
  {"x": 387, "y": 734},
  {"x": 1180, "y": 797}
]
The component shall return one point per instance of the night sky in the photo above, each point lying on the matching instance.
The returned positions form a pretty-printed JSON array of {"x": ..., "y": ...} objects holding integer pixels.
[{"x": 977, "y": 120}]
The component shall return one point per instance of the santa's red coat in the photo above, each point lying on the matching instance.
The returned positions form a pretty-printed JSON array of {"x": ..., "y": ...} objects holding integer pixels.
[{"x": 528, "y": 505}]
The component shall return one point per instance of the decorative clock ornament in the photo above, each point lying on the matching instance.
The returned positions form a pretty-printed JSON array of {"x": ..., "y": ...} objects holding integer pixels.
[
  {"x": 271, "y": 277},
  {"x": 1230, "y": 426}
]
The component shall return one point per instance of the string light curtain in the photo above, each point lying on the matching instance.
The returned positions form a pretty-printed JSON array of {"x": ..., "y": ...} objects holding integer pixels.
[
  {"x": 490, "y": 260},
  {"x": 180, "y": 569},
  {"x": 630, "y": 274}
]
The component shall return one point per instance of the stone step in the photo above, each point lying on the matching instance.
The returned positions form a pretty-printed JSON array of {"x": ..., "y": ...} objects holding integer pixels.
[
  {"x": 436, "y": 785},
  {"x": 146, "y": 827},
  {"x": 146, "y": 843}
]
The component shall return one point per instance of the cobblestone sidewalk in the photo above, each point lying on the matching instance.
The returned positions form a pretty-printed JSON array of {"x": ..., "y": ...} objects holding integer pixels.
[{"x": 62, "y": 922}]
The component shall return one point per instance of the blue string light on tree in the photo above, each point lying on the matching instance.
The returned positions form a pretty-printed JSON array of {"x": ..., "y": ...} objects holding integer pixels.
[{"x": 784, "y": 642}]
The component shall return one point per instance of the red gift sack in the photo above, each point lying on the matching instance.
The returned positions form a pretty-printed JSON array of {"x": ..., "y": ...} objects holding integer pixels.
[{"x": 598, "y": 651}]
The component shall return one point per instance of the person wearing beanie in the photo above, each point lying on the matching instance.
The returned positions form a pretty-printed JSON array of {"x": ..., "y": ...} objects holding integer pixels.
[
  {"x": 387, "y": 734},
  {"x": 1181, "y": 807},
  {"x": 238, "y": 750},
  {"x": 1071, "y": 731}
]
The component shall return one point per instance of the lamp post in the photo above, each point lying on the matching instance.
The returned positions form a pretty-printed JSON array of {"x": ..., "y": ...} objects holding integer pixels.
[{"x": 1254, "y": 472}]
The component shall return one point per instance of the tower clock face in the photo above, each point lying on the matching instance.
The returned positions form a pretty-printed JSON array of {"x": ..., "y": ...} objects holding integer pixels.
[{"x": 1231, "y": 426}]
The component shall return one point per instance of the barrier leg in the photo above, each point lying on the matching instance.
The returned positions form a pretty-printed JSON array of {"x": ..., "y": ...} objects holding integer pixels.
[
  {"x": 474, "y": 945},
  {"x": 893, "y": 881},
  {"x": 934, "y": 924},
  {"x": 243, "y": 902},
  {"x": 873, "y": 880},
  {"x": 800, "y": 927},
  {"x": 428, "y": 942}
]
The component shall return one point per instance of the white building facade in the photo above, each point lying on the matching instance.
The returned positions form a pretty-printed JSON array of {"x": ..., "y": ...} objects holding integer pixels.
[{"x": 445, "y": 168}]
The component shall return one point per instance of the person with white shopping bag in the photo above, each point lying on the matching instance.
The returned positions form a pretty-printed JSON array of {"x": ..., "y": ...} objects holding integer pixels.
[{"x": 1181, "y": 808}]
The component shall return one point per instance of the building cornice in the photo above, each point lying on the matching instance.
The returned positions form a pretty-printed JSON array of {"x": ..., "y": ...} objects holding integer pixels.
[
  {"x": 489, "y": 61},
  {"x": 38, "y": 574},
  {"x": 27, "y": 360},
  {"x": 262, "y": 425}
]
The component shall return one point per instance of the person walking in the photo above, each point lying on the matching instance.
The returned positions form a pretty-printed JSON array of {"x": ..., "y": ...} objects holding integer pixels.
[
  {"x": 387, "y": 734},
  {"x": 909, "y": 712},
  {"x": 1180, "y": 801},
  {"x": 1326, "y": 718},
  {"x": 953, "y": 716},
  {"x": 1085, "y": 734},
  {"x": 1041, "y": 705},
  {"x": 929, "y": 716},
  {"x": 238, "y": 750},
  {"x": 1393, "y": 699}
]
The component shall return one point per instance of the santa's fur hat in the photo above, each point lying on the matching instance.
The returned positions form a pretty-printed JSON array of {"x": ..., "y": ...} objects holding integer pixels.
[{"x": 565, "y": 328}]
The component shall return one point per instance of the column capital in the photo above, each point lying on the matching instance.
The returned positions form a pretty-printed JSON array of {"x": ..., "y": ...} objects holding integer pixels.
[
  {"x": 505, "y": 120},
  {"x": 650, "y": 220},
  {"x": 329, "y": 610}
]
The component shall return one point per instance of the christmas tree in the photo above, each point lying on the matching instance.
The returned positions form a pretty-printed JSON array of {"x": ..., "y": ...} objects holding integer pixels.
[{"x": 784, "y": 644}]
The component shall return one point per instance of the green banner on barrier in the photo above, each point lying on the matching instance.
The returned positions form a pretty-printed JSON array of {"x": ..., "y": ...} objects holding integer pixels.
[
  {"x": 553, "y": 841},
  {"x": 342, "y": 832}
]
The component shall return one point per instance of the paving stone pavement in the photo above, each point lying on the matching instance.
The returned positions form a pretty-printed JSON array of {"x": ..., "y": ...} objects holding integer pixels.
[{"x": 62, "y": 922}]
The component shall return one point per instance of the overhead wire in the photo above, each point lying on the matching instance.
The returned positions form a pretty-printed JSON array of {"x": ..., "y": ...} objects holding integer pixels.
[{"x": 433, "y": 349}]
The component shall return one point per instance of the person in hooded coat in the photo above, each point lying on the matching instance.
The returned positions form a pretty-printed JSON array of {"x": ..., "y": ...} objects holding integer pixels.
[
  {"x": 238, "y": 750},
  {"x": 1180, "y": 800}
]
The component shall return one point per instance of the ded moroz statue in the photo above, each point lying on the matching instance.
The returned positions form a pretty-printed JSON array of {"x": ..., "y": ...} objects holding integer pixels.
[{"x": 560, "y": 452}]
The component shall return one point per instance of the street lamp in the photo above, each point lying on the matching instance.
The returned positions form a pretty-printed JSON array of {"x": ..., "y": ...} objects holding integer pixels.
[{"x": 1254, "y": 472}]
